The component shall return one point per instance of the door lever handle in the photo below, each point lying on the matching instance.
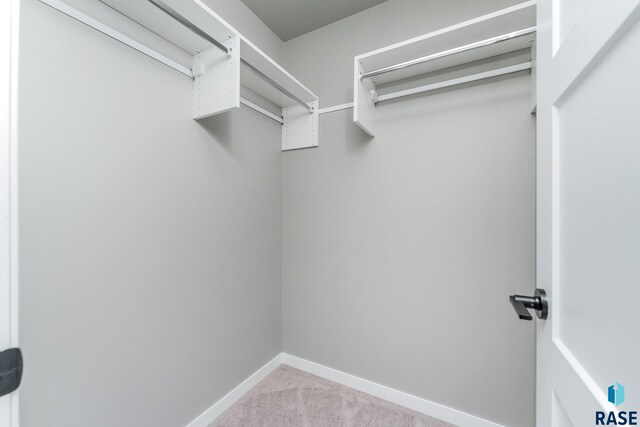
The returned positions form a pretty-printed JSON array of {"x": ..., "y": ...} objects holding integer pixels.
[
  {"x": 10, "y": 370},
  {"x": 538, "y": 302}
]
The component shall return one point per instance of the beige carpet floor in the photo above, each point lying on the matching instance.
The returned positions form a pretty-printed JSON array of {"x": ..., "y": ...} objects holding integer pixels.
[{"x": 288, "y": 397}]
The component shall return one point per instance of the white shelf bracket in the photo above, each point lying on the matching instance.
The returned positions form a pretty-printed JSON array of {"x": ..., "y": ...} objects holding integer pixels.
[
  {"x": 534, "y": 78},
  {"x": 374, "y": 96},
  {"x": 216, "y": 85},
  {"x": 300, "y": 128},
  {"x": 364, "y": 101}
]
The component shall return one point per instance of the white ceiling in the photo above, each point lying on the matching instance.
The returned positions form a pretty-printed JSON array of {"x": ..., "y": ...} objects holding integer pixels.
[{"x": 292, "y": 18}]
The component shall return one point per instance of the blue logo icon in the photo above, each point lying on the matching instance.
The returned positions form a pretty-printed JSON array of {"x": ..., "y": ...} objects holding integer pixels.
[{"x": 616, "y": 393}]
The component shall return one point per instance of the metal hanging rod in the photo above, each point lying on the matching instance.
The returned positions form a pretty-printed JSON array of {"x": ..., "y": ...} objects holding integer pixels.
[
  {"x": 261, "y": 110},
  {"x": 188, "y": 24},
  {"x": 455, "y": 82},
  {"x": 465, "y": 48},
  {"x": 276, "y": 85}
]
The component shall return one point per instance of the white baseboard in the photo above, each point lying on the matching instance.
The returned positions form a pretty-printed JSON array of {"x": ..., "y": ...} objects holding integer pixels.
[
  {"x": 418, "y": 404},
  {"x": 234, "y": 395}
]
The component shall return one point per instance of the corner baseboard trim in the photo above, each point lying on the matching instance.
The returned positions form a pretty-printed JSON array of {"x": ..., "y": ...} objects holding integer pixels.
[
  {"x": 415, "y": 403},
  {"x": 234, "y": 395}
]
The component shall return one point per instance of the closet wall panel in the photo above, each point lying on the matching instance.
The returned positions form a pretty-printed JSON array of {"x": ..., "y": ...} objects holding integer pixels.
[
  {"x": 400, "y": 251},
  {"x": 150, "y": 244}
]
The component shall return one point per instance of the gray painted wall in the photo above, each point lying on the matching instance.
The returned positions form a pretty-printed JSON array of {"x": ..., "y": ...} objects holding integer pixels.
[
  {"x": 400, "y": 252},
  {"x": 150, "y": 245}
]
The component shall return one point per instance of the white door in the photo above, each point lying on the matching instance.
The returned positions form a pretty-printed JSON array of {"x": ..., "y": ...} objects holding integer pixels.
[
  {"x": 588, "y": 207},
  {"x": 8, "y": 196}
]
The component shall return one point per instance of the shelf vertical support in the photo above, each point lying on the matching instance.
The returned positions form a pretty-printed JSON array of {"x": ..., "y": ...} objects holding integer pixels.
[
  {"x": 364, "y": 107},
  {"x": 300, "y": 127},
  {"x": 216, "y": 85},
  {"x": 534, "y": 79}
]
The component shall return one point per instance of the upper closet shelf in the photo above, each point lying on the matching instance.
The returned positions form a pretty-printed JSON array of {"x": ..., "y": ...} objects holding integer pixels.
[
  {"x": 218, "y": 57},
  {"x": 508, "y": 30}
]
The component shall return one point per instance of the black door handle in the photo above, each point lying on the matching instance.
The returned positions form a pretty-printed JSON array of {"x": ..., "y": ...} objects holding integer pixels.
[
  {"x": 10, "y": 370},
  {"x": 537, "y": 302}
]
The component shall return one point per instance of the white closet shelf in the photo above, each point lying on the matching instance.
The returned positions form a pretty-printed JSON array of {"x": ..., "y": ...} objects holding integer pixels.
[
  {"x": 218, "y": 58},
  {"x": 264, "y": 64},
  {"x": 505, "y": 31}
]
